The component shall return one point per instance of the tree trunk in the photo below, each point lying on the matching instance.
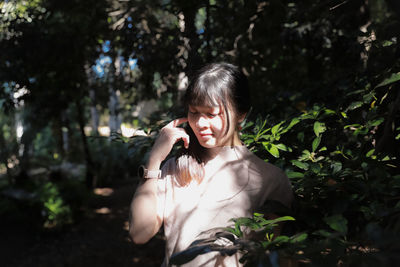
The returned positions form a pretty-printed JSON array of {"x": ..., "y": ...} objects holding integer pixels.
[
  {"x": 90, "y": 181},
  {"x": 193, "y": 60},
  {"x": 93, "y": 101},
  {"x": 94, "y": 112},
  {"x": 65, "y": 132},
  {"x": 113, "y": 105}
]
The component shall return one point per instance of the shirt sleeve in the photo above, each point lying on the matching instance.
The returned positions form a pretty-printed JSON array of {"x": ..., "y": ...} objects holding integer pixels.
[
  {"x": 278, "y": 186},
  {"x": 283, "y": 192}
]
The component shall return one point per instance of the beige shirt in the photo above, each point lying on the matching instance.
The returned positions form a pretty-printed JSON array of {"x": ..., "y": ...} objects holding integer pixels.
[{"x": 235, "y": 184}]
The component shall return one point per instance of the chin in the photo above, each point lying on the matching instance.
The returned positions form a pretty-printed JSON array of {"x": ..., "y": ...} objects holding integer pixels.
[{"x": 208, "y": 144}]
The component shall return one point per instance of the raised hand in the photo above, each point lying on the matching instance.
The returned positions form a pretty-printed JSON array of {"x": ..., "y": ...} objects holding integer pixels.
[{"x": 168, "y": 136}]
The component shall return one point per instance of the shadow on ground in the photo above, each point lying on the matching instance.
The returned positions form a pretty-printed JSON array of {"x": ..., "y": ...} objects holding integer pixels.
[{"x": 99, "y": 239}]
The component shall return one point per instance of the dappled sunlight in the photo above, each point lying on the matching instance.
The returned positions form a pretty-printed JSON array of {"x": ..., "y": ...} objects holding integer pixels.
[
  {"x": 104, "y": 192},
  {"x": 126, "y": 131},
  {"x": 136, "y": 259},
  {"x": 126, "y": 226},
  {"x": 103, "y": 210}
]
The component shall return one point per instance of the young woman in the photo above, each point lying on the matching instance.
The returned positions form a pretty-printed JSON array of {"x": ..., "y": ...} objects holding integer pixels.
[{"x": 214, "y": 178}]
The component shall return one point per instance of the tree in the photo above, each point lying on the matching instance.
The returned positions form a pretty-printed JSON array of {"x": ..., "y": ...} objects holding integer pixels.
[{"x": 48, "y": 43}]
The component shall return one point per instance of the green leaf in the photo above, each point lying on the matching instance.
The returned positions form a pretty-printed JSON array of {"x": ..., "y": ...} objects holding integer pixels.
[
  {"x": 282, "y": 147},
  {"x": 387, "y": 43},
  {"x": 376, "y": 122},
  {"x": 392, "y": 79},
  {"x": 316, "y": 143},
  {"x": 329, "y": 112},
  {"x": 291, "y": 175},
  {"x": 338, "y": 223},
  {"x": 355, "y": 105},
  {"x": 279, "y": 219},
  {"x": 293, "y": 122},
  {"x": 315, "y": 168},
  {"x": 298, "y": 238},
  {"x": 272, "y": 149},
  {"x": 299, "y": 164},
  {"x": 319, "y": 127},
  {"x": 280, "y": 239},
  {"x": 369, "y": 153},
  {"x": 337, "y": 167},
  {"x": 275, "y": 129},
  {"x": 352, "y": 126}
]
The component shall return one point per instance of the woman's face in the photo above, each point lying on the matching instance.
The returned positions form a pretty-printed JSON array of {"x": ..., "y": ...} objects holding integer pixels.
[{"x": 209, "y": 124}]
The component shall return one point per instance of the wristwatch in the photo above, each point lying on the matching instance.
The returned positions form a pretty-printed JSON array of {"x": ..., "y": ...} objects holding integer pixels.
[{"x": 147, "y": 174}]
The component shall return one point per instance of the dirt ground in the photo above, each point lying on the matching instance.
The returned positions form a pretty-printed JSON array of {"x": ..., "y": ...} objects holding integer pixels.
[{"x": 99, "y": 239}]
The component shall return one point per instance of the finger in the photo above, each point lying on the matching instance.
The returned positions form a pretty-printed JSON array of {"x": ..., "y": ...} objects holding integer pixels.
[
  {"x": 177, "y": 122},
  {"x": 184, "y": 136}
]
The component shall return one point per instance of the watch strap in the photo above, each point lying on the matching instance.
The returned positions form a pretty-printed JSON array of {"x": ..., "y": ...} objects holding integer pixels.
[{"x": 149, "y": 174}]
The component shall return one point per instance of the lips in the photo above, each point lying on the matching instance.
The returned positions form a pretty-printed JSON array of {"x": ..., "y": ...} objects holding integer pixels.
[{"x": 204, "y": 136}]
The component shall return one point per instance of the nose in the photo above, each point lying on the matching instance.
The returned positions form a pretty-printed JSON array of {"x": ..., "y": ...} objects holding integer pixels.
[{"x": 201, "y": 122}]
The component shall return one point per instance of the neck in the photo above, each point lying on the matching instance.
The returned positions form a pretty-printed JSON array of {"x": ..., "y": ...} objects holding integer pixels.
[{"x": 213, "y": 152}]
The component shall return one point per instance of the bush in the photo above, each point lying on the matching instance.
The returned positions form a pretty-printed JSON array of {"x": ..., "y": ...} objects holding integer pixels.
[
  {"x": 347, "y": 205},
  {"x": 44, "y": 204},
  {"x": 111, "y": 159}
]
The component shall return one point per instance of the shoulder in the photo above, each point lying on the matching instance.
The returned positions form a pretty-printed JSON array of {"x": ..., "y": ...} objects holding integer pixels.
[
  {"x": 264, "y": 169},
  {"x": 273, "y": 180}
]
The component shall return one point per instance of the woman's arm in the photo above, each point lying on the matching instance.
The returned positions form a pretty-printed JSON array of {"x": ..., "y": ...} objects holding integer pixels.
[{"x": 144, "y": 222}]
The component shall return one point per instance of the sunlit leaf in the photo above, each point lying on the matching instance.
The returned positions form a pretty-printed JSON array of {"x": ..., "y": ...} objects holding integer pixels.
[
  {"x": 272, "y": 149},
  {"x": 279, "y": 219},
  {"x": 291, "y": 175},
  {"x": 282, "y": 147},
  {"x": 316, "y": 143},
  {"x": 275, "y": 129},
  {"x": 355, "y": 105},
  {"x": 369, "y": 153},
  {"x": 319, "y": 127},
  {"x": 299, "y": 164}
]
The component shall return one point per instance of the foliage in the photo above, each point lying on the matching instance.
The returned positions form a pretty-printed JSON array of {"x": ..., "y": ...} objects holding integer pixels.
[
  {"x": 44, "y": 203},
  {"x": 344, "y": 187},
  {"x": 231, "y": 240},
  {"x": 334, "y": 62},
  {"x": 55, "y": 211},
  {"x": 111, "y": 159},
  {"x": 346, "y": 191}
]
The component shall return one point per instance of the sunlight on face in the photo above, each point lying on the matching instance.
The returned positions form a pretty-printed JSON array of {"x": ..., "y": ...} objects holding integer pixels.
[{"x": 209, "y": 124}]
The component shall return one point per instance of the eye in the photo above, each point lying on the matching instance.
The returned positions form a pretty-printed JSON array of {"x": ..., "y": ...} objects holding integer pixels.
[
  {"x": 211, "y": 115},
  {"x": 193, "y": 112}
]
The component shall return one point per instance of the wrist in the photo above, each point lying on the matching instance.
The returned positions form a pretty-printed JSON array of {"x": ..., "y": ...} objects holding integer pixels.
[
  {"x": 153, "y": 162},
  {"x": 145, "y": 173}
]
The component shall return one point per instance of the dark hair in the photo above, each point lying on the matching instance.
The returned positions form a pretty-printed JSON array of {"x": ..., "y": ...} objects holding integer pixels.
[
  {"x": 214, "y": 84},
  {"x": 219, "y": 82}
]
